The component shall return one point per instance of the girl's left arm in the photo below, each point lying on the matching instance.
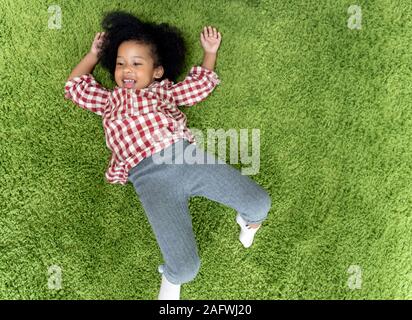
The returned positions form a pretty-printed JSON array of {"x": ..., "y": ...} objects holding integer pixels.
[
  {"x": 210, "y": 39},
  {"x": 196, "y": 87},
  {"x": 201, "y": 79}
]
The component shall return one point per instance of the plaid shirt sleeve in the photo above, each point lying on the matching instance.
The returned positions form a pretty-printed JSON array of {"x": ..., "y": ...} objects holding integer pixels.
[
  {"x": 87, "y": 93},
  {"x": 198, "y": 84}
]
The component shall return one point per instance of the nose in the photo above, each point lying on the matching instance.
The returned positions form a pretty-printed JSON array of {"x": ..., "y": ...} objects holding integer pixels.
[{"x": 126, "y": 68}]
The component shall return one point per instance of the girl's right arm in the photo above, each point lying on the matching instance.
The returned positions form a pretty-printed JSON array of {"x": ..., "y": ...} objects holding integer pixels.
[
  {"x": 82, "y": 88},
  {"x": 85, "y": 66},
  {"x": 90, "y": 59}
]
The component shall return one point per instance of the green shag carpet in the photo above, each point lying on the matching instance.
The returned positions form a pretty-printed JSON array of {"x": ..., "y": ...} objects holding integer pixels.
[{"x": 333, "y": 105}]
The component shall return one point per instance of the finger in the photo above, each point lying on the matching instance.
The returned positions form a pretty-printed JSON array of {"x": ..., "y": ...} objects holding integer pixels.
[
  {"x": 219, "y": 36},
  {"x": 202, "y": 37},
  {"x": 205, "y": 31},
  {"x": 210, "y": 30},
  {"x": 214, "y": 33}
]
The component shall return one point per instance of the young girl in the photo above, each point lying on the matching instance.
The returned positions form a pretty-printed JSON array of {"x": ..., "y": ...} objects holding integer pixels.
[{"x": 141, "y": 120}]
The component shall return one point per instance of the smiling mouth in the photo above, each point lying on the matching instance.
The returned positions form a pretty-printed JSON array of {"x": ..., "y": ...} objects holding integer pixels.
[{"x": 129, "y": 83}]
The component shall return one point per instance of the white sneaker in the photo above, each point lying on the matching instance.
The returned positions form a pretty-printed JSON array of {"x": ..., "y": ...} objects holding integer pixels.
[
  {"x": 168, "y": 290},
  {"x": 247, "y": 233}
]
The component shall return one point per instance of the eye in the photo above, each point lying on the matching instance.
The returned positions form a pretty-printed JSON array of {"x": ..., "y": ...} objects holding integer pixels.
[
  {"x": 137, "y": 64},
  {"x": 119, "y": 63}
]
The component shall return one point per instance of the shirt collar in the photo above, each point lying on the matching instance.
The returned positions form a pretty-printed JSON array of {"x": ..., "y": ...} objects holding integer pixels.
[{"x": 154, "y": 84}]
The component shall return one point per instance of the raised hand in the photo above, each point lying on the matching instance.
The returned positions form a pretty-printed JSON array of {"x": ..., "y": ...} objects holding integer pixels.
[
  {"x": 97, "y": 44},
  {"x": 210, "y": 39}
]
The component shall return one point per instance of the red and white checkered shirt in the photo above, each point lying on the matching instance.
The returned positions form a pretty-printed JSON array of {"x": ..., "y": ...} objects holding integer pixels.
[{"x": 138, "y": 123}]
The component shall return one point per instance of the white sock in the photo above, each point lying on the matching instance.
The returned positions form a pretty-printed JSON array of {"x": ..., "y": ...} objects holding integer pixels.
[
  {"x": 247, "y": 233},
  {"x": 168, "y": 290}
]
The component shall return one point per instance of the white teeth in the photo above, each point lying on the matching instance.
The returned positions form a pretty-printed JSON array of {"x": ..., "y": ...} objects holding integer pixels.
[{"x": 128, "y": 80}]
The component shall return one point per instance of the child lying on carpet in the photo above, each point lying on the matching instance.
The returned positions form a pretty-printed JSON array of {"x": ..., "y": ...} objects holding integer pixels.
[{"x": 141, "y": 119}]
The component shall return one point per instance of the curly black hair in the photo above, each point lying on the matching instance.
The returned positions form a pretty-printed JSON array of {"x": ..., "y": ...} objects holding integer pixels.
[{"x": 167, "y": 45}]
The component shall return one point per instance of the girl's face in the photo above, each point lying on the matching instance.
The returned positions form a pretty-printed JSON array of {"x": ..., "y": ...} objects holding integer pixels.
[{"x": 135, "y": 66}]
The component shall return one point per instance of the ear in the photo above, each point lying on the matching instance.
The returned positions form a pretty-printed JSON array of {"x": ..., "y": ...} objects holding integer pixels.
[{"x": 159, "y": 71}]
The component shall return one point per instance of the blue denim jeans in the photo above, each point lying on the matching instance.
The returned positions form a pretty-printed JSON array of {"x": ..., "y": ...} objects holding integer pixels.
[{"x": 164, "y": 190}]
